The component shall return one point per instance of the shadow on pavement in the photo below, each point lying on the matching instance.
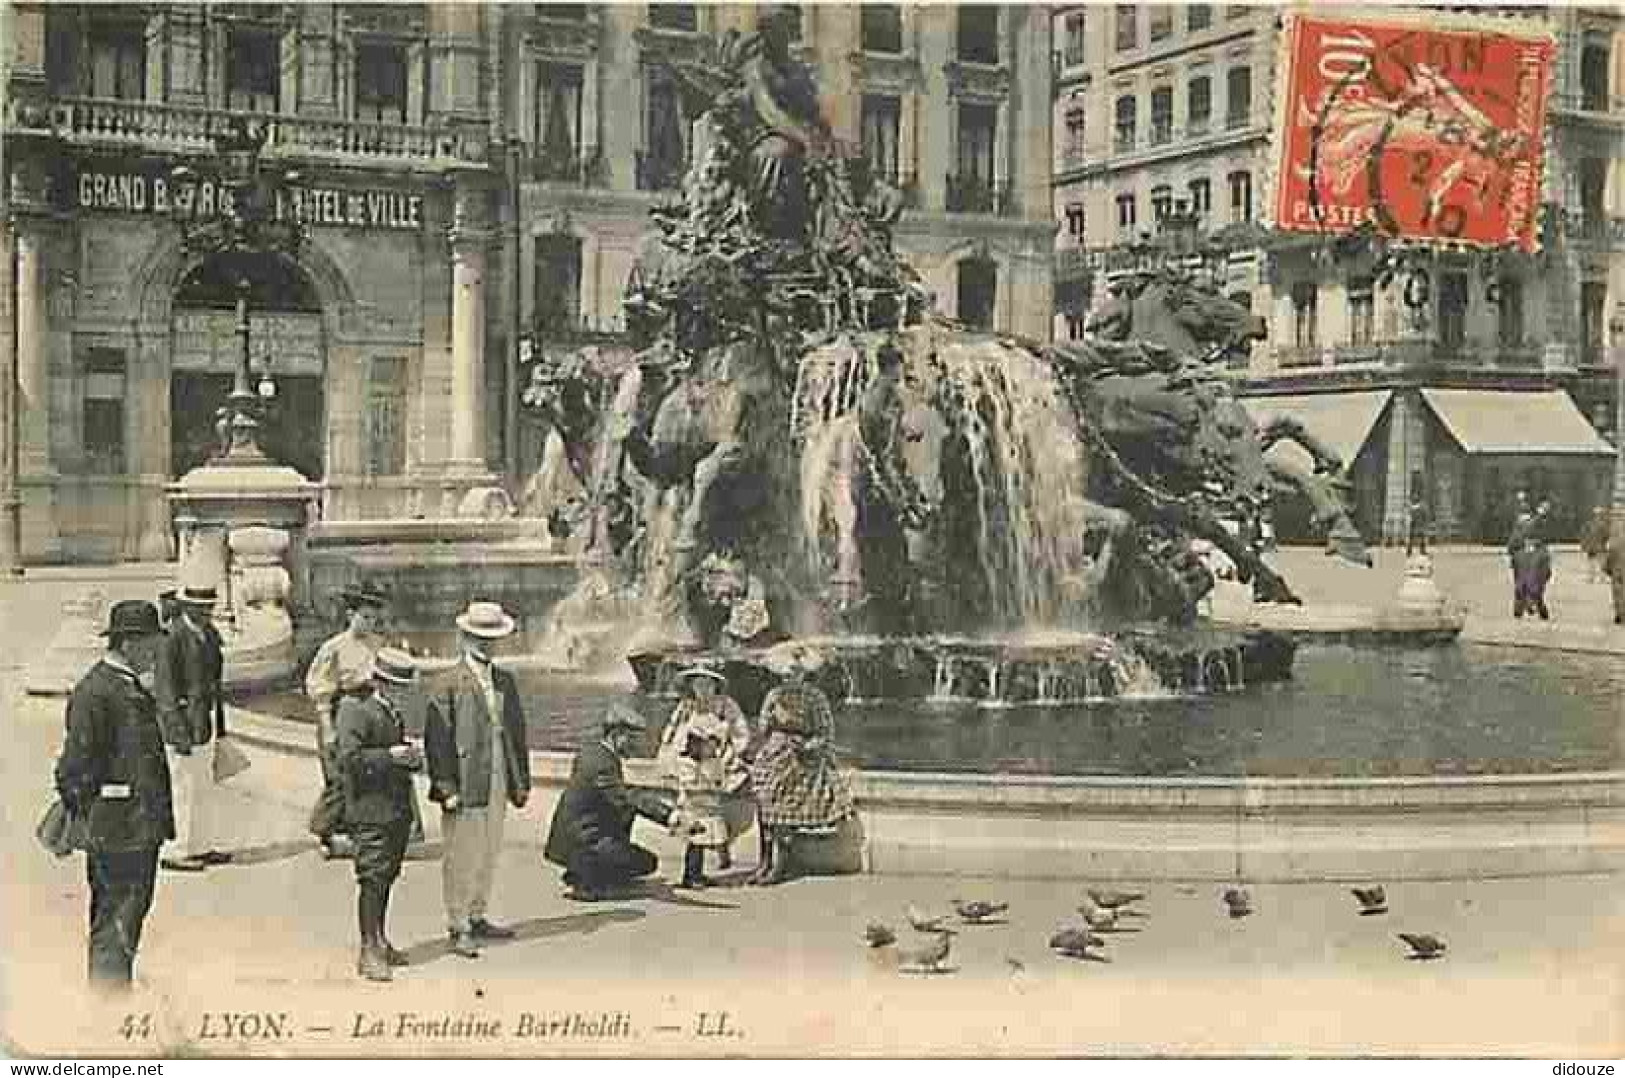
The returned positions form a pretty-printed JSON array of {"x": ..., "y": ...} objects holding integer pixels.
[
  {"x": 537, "y": 928},
  {"x": 275, "y": 851}
]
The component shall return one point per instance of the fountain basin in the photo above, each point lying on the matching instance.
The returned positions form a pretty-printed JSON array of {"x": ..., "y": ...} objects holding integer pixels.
[{"x": 1028, "y": 670}]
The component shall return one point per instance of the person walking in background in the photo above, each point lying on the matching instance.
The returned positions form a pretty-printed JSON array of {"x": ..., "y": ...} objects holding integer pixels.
[
  {"x": 112, "y": 773},
  {"x": 1594, "y": 543},
  {"x": 375, "y": 762},
  {"x": 703, "y": 751},
  {"x": 474, "y": 735},
  {"x": 191, "y": 711},
  {"x": 590, "y": 835},
  {"x": 343, "y": 665},
  {"x": 1613, "y": 563},
  {"x": 1417, "y": 523},
  {"x": 1531, "y": 571}
]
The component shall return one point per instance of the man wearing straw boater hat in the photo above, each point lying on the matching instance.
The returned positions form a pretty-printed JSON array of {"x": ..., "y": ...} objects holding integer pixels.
[
  {"x": 376, "y": 763},
  {"x": 343, "y": 665},
  {"x": 113, "y": 774},
  {"x": 474, "y": 736},
  {"x": 192, "y": 712}
]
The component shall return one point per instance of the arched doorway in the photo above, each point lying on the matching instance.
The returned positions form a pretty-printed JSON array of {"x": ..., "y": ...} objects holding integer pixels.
[{"x": 285, "y": 339}]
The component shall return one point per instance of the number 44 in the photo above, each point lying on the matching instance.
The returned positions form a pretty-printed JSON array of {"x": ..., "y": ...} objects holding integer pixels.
[{"x": 135, "y": 1026}]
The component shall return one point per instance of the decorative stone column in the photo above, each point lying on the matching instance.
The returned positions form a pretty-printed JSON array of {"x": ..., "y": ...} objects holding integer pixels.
[
  {"x": 465, "y": 459},
  {"x": 33, "y": 354}
]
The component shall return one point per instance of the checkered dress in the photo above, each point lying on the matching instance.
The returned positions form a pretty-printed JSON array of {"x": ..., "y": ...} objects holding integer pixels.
[{"x": 798, "y": 789}]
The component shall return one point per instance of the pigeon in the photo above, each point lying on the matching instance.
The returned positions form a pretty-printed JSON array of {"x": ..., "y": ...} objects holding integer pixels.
[
  {"x": 975, "y": 912},
  {"x": 921, "y": 922},
  {"x": 1113, "y": 900},
  {"x": 1016, "y": 965},
  {"x": 1076, "y": 943},
  {"x": 1423, "y": 945},
  {"x": 878, "y": 935},
  {"x": 1372, "y": 900},
  {"x": 930, "y": 956},
  {"x": 1104, "y": 919},
  {"x": 1240, "y": 903}
]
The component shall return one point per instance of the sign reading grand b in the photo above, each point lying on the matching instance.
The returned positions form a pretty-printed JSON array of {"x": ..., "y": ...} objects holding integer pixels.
[
  {"x": 122, "y": 188},
  {"x": 1426, "y": 131}
]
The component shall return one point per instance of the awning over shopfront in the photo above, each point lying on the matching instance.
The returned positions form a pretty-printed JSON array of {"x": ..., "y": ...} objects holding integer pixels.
[
  {"x": 1342, "y": 421},
  {"x": 1515, "y": 422}
]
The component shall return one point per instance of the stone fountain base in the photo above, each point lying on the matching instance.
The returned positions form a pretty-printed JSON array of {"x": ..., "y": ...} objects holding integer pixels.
[{"x": 1045, "y": 670}]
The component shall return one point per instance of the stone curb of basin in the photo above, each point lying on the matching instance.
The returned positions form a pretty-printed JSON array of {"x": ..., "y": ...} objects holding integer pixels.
[{"x": 1254, "y": 829}]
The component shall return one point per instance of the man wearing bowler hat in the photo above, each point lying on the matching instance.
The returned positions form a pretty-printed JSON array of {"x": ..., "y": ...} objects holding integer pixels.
[
  {"x": 112, "y": 773},
  {"x": 376, "y": 763},
  {"x": 192, "y": 712},
  {"x": 343, "y": 665},
  {"x": 474, "y": 737},
  {"x": 591, "y": 832}
]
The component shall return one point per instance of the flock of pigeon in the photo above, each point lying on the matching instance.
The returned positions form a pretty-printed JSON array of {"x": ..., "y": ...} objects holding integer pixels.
[{"x": 1103, "y": 912}]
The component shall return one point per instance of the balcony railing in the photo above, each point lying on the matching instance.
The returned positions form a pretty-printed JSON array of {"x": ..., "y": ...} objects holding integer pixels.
[
  {"x": 1162, "y": 132},
  {"x": 655, "y": 173},
  {"x": 1235, "y": 120},
  {"x": 180, "y": 128},
  {"x": 973, "y": 194},
  {"x": 1599, "y": 103},
  {"x": 587, "y": 168},
  {"x": 1505, "y": 355}
]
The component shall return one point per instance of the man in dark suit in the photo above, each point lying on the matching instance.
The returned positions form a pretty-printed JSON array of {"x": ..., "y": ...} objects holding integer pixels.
[
  {"x": 191, "y": 711},
  {"x": 375, "y": 764},
  {"x": 112, "y": 772},
  {"x": 474, "y": 737},
  {"x": 591, "y": 832}
]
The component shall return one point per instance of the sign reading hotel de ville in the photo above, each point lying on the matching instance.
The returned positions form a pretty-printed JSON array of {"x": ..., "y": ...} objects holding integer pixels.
[
  {"x": 1429, "y": 132},
  {"x": 120, "y": 188}
]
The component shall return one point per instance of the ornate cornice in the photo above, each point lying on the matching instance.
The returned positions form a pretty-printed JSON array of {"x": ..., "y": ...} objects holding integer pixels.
[
  {"x": 678, "y": 44},
  {"x": 892, "y": 74},
  {"x": 977, "y": 81},
  {"x": 566, "y": 39}
]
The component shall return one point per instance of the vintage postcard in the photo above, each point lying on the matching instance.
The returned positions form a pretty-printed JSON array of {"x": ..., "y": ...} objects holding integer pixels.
[{"x": 837, "y": 530}]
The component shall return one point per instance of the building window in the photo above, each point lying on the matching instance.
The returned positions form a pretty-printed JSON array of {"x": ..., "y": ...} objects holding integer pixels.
[
  {"x": 1241, "y": 196},
  {"x": 881, "y": 27},
  {"x": 558, "y": 284},
  {"x": 1594, "y": 77},
  {"x": 386, "y": 416},
  {"x": 116, "y": 65},
  {"x": 881, "y": 121},
  {"x": 1162, "y": 202},
  {"x": 1509, "y": 312},
  {"x": 1075, "y": 24},
  {"x": 683, "y": 17},
  {"x": 1198, "y": 17},
  {"x": 1593, "y": 175},
  {"x": 664, "y": 157},
  {"x": 1126, "y": 107},
  {"x": 1162, "y": 21},
  {"x": 1201, "y": 190},
  {"x": 253, "y": 71},
  {"x": 977, "y": 33},
  {"x": 1162, "y": 115},
  {"x": 1362, "y": 311},
  {"x": 557, "y": 131},
  {"x": 104, "y": 412},
  {"x": 1236, "y": 11},
  {"x": 1125, "y": 214},
  {"x": 1075, "y": 222},
  {"x": 1199, "y": 104},
  {"x": 1593, "y": 301},
  {"x": 971, "y": 189},
  {"x": 1128, "y": 30},
  {"x": 978, "y": 290},
  {"x": 380, "y": 83},
  {"x": 1076, "y": 134},
  {"x": 1305, "y": 302},
  {"x": 1452, "y": 310},
  {"x": 1238, "y": 96}
]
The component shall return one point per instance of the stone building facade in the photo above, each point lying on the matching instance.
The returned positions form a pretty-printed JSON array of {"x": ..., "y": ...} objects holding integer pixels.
[
  {"x": 1163, "y": 106},
  {"x": 470, "y": 175}
]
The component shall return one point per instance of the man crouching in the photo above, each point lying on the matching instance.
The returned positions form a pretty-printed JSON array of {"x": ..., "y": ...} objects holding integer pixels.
[{"x": 376, "y": 762}]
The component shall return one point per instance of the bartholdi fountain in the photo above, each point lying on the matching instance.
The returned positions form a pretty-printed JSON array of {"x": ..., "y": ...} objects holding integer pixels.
[{"x": 803, "y": 452}]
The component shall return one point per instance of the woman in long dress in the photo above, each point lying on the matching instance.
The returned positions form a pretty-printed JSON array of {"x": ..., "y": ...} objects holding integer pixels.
[{"x": 795, "y": 777}]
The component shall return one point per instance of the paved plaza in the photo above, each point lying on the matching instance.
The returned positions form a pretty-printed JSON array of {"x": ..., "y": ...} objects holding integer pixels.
[{"x": 1534, "y": 965}]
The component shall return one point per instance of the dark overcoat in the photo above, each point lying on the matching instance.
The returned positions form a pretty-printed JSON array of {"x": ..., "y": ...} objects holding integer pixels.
[
  {"x": 377, "y": 790},
  {"x": 190, "y": 666},
  {"x": 457, "y": 737},
  {"x": 112, "y": 766},
  {"x": 597, "y": 805}
]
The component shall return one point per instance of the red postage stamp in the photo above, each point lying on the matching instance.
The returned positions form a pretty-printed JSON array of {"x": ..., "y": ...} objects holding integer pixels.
[{"x": 1426, "y": 132}]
